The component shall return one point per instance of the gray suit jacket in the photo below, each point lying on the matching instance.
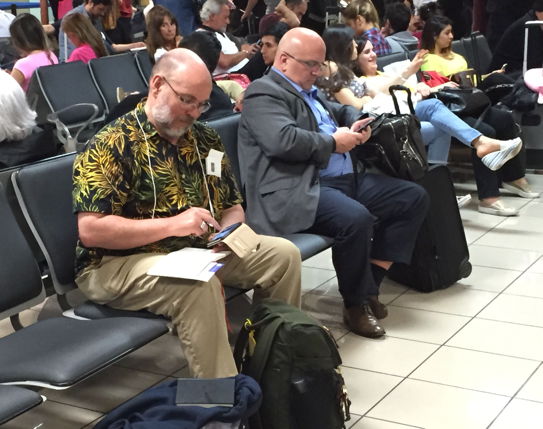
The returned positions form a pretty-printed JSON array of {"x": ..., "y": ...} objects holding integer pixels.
[{"x": 281, "y": 152}]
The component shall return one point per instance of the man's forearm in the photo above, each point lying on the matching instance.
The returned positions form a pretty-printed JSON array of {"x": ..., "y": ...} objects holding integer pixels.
[
  {"x": 116, "y": 232},
  {"x": 230, "y": 60}
]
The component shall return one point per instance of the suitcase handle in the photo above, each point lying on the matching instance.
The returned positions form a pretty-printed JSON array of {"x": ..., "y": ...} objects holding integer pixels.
[
  {"x": 527, "y": 26},
  {"x": 394, "y": 88}
]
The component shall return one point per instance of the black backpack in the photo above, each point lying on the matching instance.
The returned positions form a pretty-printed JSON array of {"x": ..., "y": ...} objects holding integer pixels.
[{"x": 296, "y": 362}]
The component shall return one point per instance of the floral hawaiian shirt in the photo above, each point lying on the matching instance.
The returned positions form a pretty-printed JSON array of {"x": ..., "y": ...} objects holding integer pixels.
[{"x": 112, "y": 176}]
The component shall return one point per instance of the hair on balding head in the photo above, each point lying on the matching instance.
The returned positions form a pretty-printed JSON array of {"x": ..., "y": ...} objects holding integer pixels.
[{"x": 179, "y": 61}]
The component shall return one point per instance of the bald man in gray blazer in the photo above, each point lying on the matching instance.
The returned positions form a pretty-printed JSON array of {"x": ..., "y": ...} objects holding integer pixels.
[{"x": 298, "y": 175}]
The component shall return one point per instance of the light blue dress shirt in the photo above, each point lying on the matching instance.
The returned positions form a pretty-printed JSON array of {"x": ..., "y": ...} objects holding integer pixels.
[{"x": 339, "y": 163}]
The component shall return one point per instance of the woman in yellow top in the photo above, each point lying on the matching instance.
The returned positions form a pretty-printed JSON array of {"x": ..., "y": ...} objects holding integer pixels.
[{"x": 437, "y": 38}]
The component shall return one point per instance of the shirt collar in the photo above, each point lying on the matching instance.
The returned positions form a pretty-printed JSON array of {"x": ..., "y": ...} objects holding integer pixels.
[{"x": 310, "y": 93}]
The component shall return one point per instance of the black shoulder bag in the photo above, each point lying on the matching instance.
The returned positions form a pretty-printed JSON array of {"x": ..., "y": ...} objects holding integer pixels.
[{"x": 395, "y": 145}]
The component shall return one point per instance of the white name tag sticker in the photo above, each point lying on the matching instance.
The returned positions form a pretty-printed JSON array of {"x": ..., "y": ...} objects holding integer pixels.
[{"x": 213, "y": 163}]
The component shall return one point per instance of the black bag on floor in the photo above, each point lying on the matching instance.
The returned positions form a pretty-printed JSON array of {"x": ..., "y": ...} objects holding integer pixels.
[
  {"x": 441, "y": 255},
  {"x": 296, "y": 362},
  {"x": 395, "y": 145}
]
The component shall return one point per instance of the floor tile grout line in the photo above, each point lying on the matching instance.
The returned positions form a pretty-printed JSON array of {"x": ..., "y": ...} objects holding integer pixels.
[
  {"x": 461, "y": 387},
  {"x": 418, "y": 366},
  {"x": 395, "y": 422},
  {"x": 514, "y": 396},
  {"x": 510, "y": 323},
  {"x": 491, "y": 353},
  {"x": 540, "y": 252}
]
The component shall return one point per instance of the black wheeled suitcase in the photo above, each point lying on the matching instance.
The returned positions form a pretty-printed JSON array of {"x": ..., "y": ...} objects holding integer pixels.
[{"x": 441, "y": 255}]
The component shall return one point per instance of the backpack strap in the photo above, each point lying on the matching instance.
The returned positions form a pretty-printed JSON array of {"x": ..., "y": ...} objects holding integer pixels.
[
  {"x": 260, "y": 357},
  {"x": 241, "y": 343}
]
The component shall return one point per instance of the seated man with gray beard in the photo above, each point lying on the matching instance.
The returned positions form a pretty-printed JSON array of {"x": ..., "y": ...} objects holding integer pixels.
[{"x": 141, "y": 190}]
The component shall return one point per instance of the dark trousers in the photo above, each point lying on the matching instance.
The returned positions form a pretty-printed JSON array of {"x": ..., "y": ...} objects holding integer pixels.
[
  {"x": 501, "y": 125},
  {"x": 370, "y": 216}
]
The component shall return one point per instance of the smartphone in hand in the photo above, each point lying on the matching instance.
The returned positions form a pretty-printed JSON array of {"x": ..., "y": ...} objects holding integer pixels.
[
  {"x": 364, "y": 126},
  {"x": 220, "y": 236}
]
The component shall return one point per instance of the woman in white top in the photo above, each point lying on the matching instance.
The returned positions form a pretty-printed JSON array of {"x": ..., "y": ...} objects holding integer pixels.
[{"x": 163, "y": 32}]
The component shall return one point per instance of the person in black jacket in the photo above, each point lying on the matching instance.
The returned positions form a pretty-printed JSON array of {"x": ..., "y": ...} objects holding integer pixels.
[
  {"x": 208, "y": 48},
  {"x": 510, "y": 48},
  {"x": 501, "y": 14}
]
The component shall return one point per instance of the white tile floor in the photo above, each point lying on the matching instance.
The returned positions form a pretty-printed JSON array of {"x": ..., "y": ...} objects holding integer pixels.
[{"x": 466, "y": 357}]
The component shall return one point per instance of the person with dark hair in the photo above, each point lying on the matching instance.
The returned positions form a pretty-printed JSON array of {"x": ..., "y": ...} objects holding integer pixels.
[
  {"x": 501, "y": 14},
  {"x": 84, "y": 36},
  {"x": 270, "y": 40},
  {"x": 423, "y": 14},
  {"x": 510, "y": 48},
  {"x": 208, "y": 48},
  {"x": 162, "y": 32},
  {"x": 95, "y": 10},
  {"x": 460, "y": 12},
  {"x": 397, "y": 19},
  {"x": 363, "y": 18},
  {"x": 29, "y": 39},
  {"x": 438, "y": 123},
  {"x": 437, "y": 39},
  {"x": 288, "y": 11},
  {"x": 341, "y": 52}
]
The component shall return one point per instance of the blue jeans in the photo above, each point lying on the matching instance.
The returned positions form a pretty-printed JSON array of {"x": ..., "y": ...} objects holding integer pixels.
[{"x": 438, "y": 125}]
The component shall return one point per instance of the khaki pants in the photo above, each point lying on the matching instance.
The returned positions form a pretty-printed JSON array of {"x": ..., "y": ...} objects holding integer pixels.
[{"x": 197, "y": 309}]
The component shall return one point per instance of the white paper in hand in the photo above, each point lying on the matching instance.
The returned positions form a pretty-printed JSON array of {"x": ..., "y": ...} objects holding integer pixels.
[{"x": 189, "y": 263}]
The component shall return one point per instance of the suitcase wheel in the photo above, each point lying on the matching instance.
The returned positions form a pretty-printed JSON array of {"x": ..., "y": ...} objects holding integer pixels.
[{"x": 465, "y": 269}]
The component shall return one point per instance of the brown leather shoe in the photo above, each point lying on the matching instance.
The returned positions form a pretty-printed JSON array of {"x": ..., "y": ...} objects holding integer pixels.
[
  {"x": 361, "y": 321},
  {"x": 378, "y": 309}
]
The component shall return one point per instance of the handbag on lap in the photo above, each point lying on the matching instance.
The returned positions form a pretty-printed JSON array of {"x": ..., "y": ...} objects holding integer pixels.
[
  {"x": 396, "y": 145},
  {"x": 464, "y": 101}
]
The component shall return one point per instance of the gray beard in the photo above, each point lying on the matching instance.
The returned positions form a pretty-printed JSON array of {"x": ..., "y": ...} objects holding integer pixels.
[{"x": 162, "y": 116}]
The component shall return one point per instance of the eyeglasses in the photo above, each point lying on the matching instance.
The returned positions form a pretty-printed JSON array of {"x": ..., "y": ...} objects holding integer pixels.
[
  {"x": 189, "y": 100},
  {"x": 310, "y": 64}
]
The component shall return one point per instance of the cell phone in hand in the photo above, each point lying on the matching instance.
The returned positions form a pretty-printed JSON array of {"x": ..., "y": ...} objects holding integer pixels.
[
  {"x": 220, "y": 236},
  {"x": 365, "y": 126}
]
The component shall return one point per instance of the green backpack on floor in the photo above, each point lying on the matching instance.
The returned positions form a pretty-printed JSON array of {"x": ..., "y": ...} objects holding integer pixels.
[{"x": 296, "y": 363}]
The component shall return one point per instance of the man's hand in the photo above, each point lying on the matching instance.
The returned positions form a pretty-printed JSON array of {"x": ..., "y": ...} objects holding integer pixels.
[
  {"x": 194, "y": 221},
  {"x": 250, "y": 50},
  {"x": 346, "y": 139}
]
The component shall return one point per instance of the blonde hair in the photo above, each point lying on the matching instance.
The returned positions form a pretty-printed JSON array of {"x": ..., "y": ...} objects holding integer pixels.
[
  {"x": 364, "y": 8},
  {"x": 16, "y": 117},
  {"x": 83, "y": 29}
]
